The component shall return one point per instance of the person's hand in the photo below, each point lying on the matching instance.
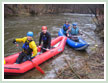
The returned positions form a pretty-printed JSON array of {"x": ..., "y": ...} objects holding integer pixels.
[
  {"x": 47, "y": 49},
  {"x": 39, "y": 46},
  {"x": 14, "y": 41},
  {"x": 32, "y": 56},
  {"x": 67, "y": 35}
]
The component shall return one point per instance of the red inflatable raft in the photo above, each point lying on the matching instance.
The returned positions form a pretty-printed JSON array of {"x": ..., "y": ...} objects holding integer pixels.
[{"x": 11, "y": 68}]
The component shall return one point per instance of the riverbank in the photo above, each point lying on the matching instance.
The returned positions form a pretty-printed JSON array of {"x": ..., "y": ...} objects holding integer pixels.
[
  {"x": 91, "y": 67},
  {"x": 40, "y": 9}
]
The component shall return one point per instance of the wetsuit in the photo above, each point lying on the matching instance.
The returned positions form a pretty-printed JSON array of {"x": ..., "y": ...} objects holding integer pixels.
[
  {"x": 29, "y": 46},
  {"x": 46, "y": 38}
]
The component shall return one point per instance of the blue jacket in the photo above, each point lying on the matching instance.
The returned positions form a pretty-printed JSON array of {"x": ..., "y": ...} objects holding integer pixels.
[{"x": 65, "y": 28}]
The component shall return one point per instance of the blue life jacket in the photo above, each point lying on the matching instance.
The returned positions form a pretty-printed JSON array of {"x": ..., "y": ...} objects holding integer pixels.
[
  {"x": 75, "y": 31},
  {"x": 26, "y": 47},
  {"x": 44, "y": 37},
  {"x": 65, "y": 27}
]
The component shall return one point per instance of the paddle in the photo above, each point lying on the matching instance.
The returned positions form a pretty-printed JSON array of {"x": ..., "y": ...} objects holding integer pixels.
[
  {"x": 43, "y": 48},
  {"x": 50, "y": 48},
  {"x": 96, "y": 45},
  {"x": 34, "y": 64},
  {"x": 46, "y": 49}
]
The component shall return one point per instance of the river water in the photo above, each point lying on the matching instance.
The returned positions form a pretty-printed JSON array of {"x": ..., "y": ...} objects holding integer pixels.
[{"x": 16, "y": 27}]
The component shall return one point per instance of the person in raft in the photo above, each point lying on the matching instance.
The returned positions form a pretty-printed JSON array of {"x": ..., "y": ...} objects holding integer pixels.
[
  {"x": 74, "y": 32},
  {"x": 28, "y": 47},
  {"x": 66, "y": 27},
  {"x": 46, "y": 38}
]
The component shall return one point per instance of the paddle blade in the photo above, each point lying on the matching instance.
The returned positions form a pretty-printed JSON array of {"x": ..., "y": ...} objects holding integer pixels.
[{"x": 38, "y": 68}]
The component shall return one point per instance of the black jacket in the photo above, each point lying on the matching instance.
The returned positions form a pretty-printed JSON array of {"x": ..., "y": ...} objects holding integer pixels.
[{"x": 46, "y": 38}]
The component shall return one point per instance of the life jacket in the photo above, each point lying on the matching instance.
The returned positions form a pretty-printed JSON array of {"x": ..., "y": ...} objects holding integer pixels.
[
  {"x": 74, "y": 31},
  {"x": 65, "y": 27},
  {"x": 44, "y": 37},
  {"x": 26, "y": 48}
]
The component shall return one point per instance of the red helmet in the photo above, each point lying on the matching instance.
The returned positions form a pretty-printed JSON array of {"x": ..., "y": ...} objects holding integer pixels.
[{"x": 44, "y": 27}]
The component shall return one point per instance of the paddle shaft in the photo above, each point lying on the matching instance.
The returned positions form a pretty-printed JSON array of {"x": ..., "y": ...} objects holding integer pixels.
[{"x": 46, "y": 49}]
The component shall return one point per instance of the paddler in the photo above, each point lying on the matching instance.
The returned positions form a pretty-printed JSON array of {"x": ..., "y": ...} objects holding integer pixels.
[
  {"x": 66, "y": 27},
  {"x": 74, "y": 32},
  {"x": 28, "y": 47},
  {"x": 46, "y": 38}
]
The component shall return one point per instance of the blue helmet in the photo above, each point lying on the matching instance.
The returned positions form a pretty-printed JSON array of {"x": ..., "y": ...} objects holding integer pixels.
[
  {"x": 30, "y": 33},
  {"x": 74, "y": 24}
]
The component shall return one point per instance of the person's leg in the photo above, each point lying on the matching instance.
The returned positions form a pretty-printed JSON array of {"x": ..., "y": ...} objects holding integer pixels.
[
  {"x": 20, "y": 57},
  {"x": 24, "y": 59},
  {"x": 44, "y": 46},
  {"x": 27, "y": 57}
]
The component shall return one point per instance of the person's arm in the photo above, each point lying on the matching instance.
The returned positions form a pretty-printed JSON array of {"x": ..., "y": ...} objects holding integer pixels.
[
  {"x": 34, "y": 48},
  {"x": 20, "y": 40},
  {"x": 79, "y": 32},
  {"x": 40, "y": 39},
  {"x": 69, "y": 27},
  {"x": 68, "y": 31},
  {"x": 49, "y": 41}
]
